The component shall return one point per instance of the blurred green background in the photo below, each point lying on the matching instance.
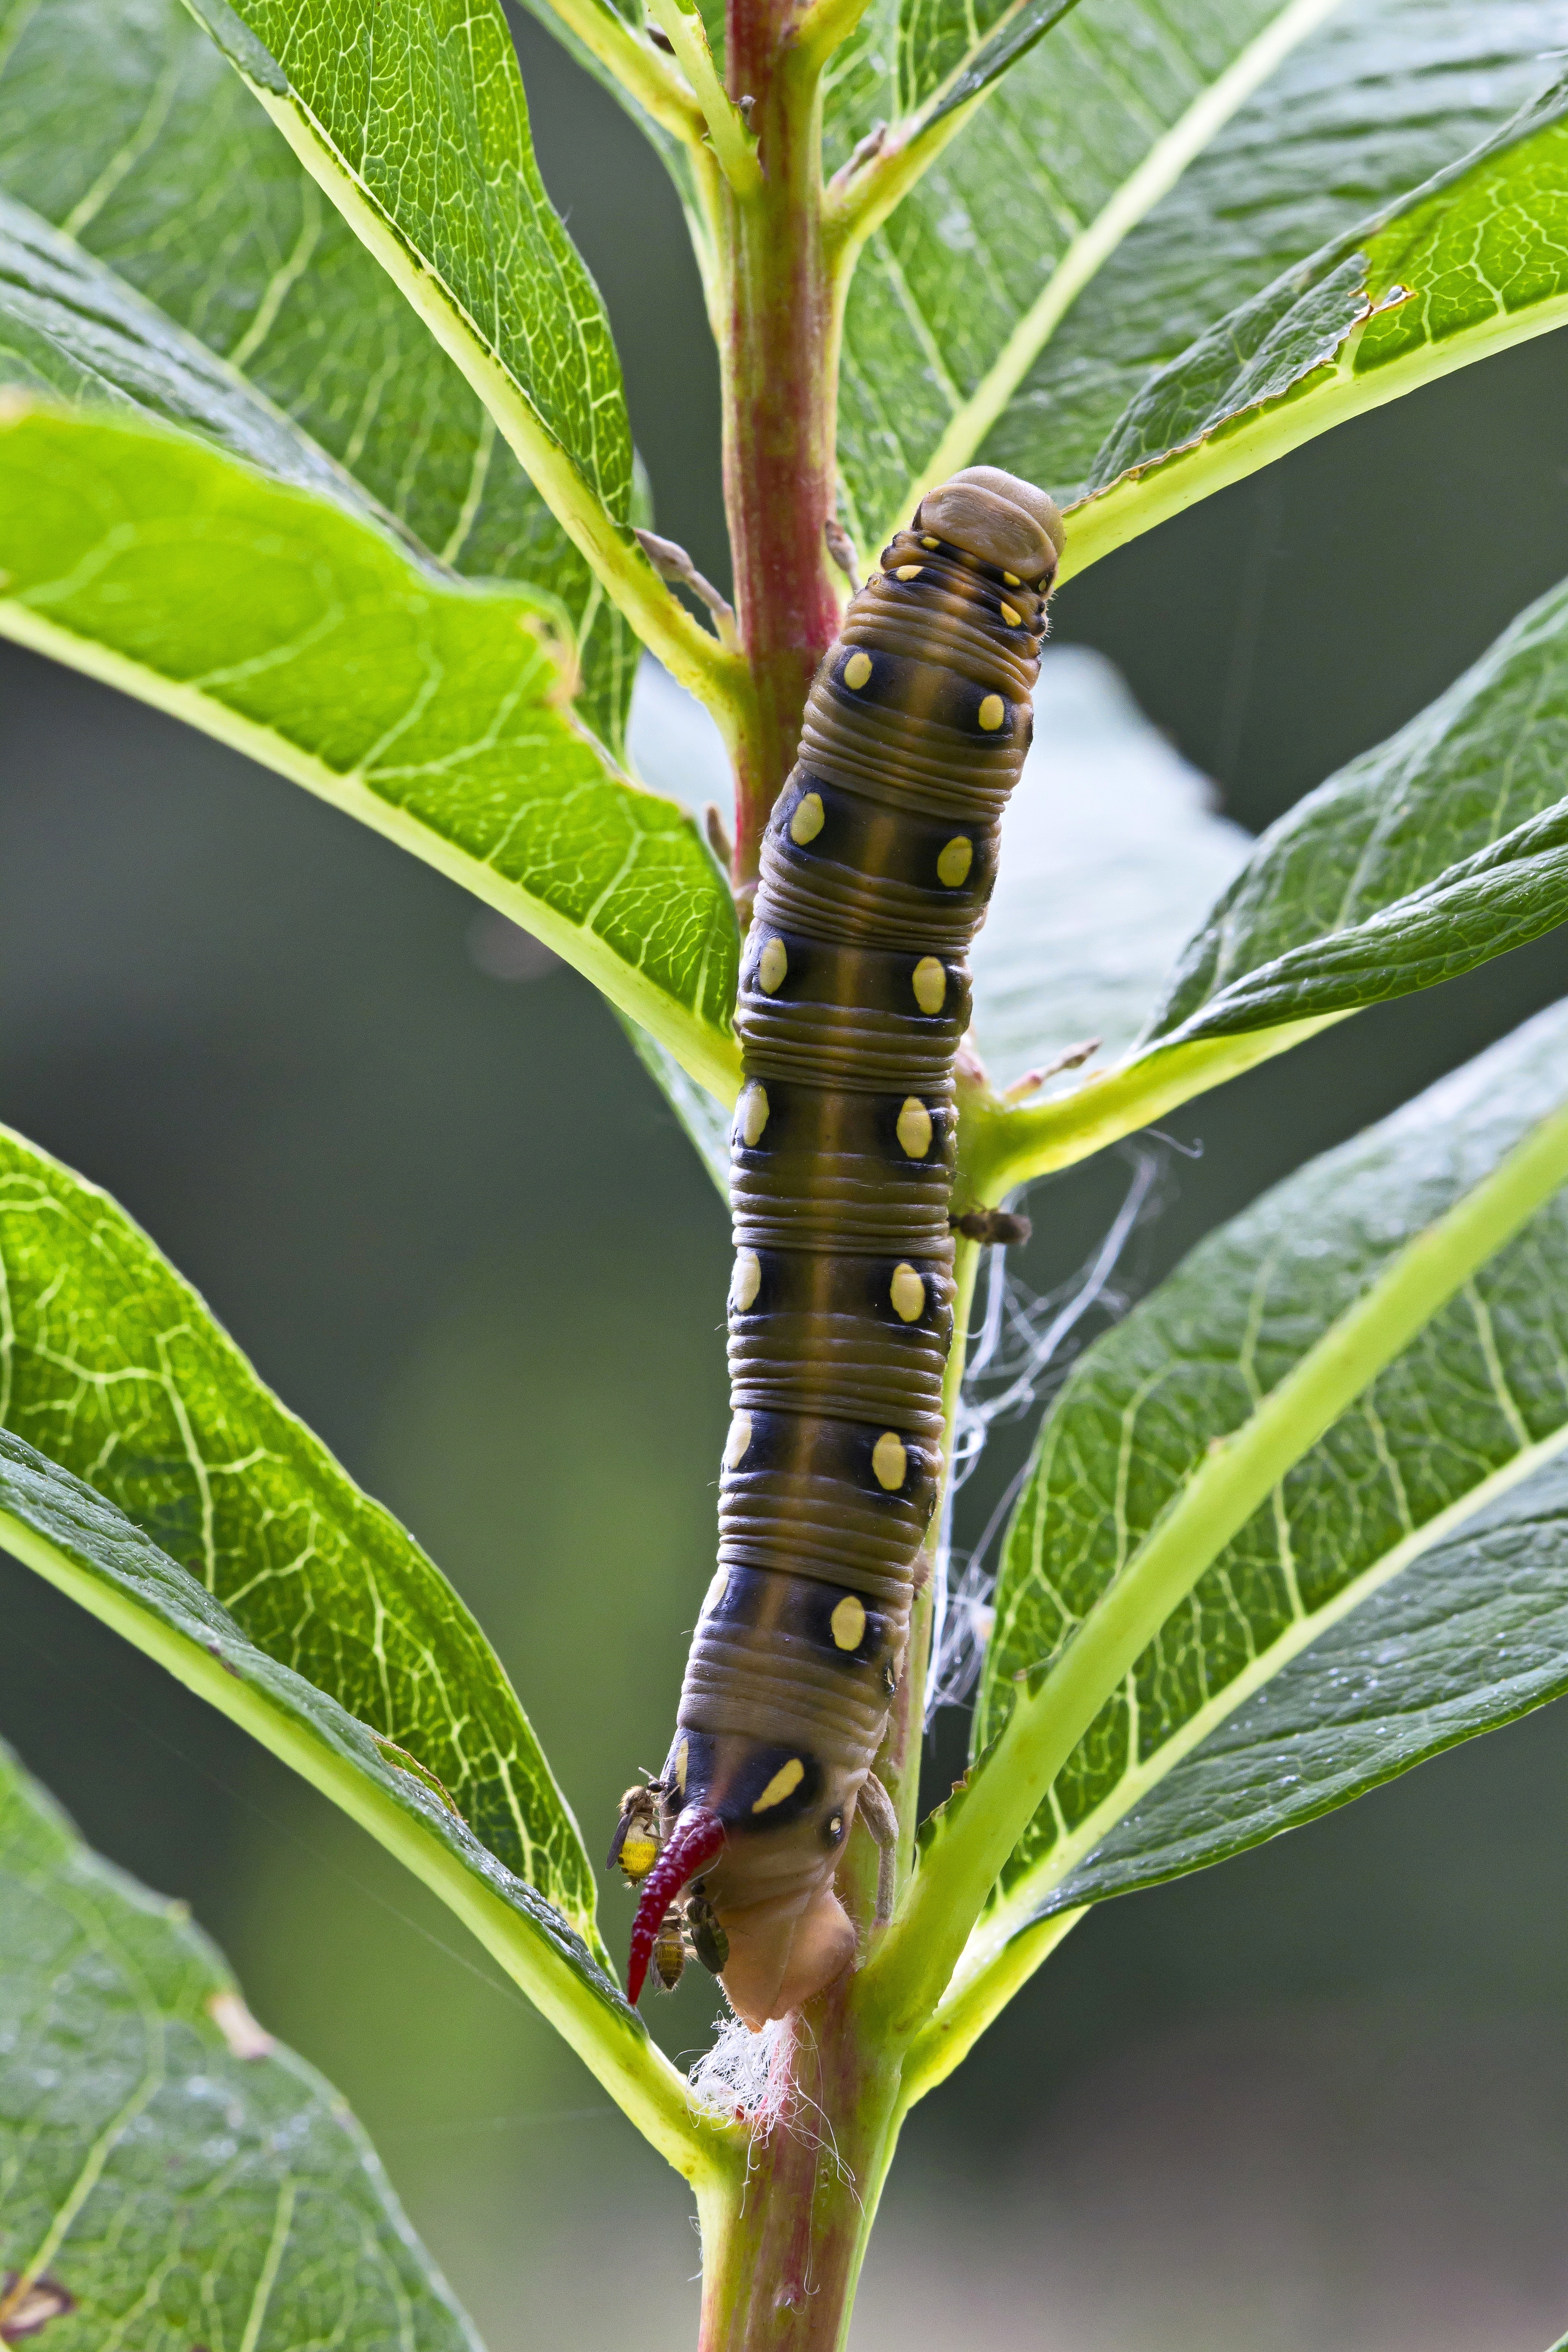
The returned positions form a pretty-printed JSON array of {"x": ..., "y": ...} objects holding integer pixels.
[{"x": 1317, "y": 2098}]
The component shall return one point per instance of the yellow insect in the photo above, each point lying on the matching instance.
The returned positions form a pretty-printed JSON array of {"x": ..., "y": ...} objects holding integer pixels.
[{"x": 639, "y": 1834}]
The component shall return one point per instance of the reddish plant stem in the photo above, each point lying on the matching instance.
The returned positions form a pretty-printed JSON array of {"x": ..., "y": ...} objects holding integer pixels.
[
  {"x": 779, "y": 403},
  {"x": 782, "y": 2278}
]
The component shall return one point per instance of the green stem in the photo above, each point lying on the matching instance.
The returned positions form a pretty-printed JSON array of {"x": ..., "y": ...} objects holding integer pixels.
[
  {"x": 641, "y": 72},
  {"x": 734, "y": 145},
  {"x": 904, "y": 1981}
]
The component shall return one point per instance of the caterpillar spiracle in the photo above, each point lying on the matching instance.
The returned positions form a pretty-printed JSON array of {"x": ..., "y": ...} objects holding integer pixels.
[{"x": 877, "y": 865}]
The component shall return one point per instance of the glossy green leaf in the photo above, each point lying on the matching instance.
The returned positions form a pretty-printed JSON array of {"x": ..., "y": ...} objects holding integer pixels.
[
  {"x": 430, "y": 709},
  {"x": 112, "y": 1365},
  {"x": 1472, "y": 1634},
  {"x": 124, "y": 128},
  {"x": 1474, "y": 261},
  {"x": 1129, "y": 183},
  {"x": 68, "y": 1532},
  {"x": 1473, "y": 1407},
  {"x": 1446, "y": 845},
  {"x": 174, "y": 2175},
  {"x": 410, "y": 114}
]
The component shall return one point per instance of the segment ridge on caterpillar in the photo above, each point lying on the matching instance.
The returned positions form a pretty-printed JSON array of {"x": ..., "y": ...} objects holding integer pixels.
[{"x": 877, "y": 865}]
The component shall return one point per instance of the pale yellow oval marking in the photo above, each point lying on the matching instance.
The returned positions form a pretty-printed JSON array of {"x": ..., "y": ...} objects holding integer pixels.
[
  {"x": 890, "y": 1460},
  {"x": 991, "y": 712},
  {"x": 738, "y": 1442},
  {"x": 930, "y": 984},
  {"x": 682, "y": 1758},
  {"x": 909, "y": 572},
  {"x": 1014, "y": 620},
  {"x": 784, "y": 1783},
  {"x": 808, "y": 819},
  {"x": 914, "y": 1128},
  {"x": 931, "y": 543},
  {"x": 748, "y": 1280},
  {"x": 716, "y": 1592},
  {"x": 754, "y": 1116},
  {"x": 908, "y": 1292},
  {"x": 953, "y": 866},
  {"x": 771, "y": 966},
  {"x": 856, "y": 670},
  {"x": 1012, "y": 580},
  {"x": 848, "y": 1622}
]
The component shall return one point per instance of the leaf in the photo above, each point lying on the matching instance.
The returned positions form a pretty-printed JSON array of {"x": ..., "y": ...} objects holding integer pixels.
[
  {"x": 112, "y": 1364},
  {"x": 410, "y": 114},
  {"x": 122, "y": 124},
  {"x": 430, "y": 709},
  {"x": 91, "y": 1552},
  {"x": 172, "y": 2174},
  {"x": 1108, "y": 845},
  {"x": 1446, "y": 845},
  {"x": 1472, "y": 1634},
  {"x": 1139, "y": 174},
  {"x": 1476, "y": 260},
  {"x": 1474, "y": 1405}
]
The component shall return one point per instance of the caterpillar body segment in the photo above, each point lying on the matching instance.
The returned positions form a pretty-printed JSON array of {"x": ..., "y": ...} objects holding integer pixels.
[{"x": 877, "y": 865}]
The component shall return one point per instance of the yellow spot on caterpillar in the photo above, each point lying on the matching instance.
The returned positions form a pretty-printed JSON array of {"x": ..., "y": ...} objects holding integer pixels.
[
  {"x": 738, "y": 1442},
  {"x": 748, "y": 1280},
  {"x": 914, "y": 1128},
  {"x": 716, "y": 1592},
  {"x": 1014, "y": 620},
  {"x": 753, "y": 1115},
  {"x": 637, "y": 1855},
  {"x": 784, "y": 1783},
  {"x": 848, "y": 1622},
  {"x": 930, "y": 984},
  {"x": 953, "y": 866},
  {"x": 991, "y": 712},
  {"x": 1012, "y": 578},
  {"x": 909, "y": 572},
  {"x": 890, "y": 1460},
  {"x": 682, "y": 1758},
  {"x": 856, "y": 670},
  {"x": 931, "y": 543},
  {"x": 771, "y": 966},
  {"x": 908, "y": 1292},
  {"x": 808, "y": 819}
]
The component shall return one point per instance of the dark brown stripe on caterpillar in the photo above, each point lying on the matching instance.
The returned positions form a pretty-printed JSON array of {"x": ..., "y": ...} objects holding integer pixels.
[{"x": 877, "y": 865}]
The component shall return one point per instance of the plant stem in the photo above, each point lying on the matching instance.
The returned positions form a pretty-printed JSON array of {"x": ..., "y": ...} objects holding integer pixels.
[{"x": 779, "y": 405}]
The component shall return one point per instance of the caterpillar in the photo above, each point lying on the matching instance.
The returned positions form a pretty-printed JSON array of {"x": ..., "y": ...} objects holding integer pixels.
[{"x": 877, "y": 865}]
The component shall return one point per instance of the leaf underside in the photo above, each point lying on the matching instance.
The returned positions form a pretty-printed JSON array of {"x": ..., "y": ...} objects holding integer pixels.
[{"x": 1475, "y": 1405}]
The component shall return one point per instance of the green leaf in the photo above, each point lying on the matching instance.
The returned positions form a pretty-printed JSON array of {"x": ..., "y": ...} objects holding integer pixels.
[
  {"x": 1472, "y": 1407},
  {"x": 1109, "y": 844},
  {"x": 112, "y": 1364},
  {"x": 1472, "y": 1634},
  {"x": 427, "y": 709},
  {"x": 1446, "y": 845},
  {"x": 81, "y": 1543},
  {"x": 1139, "y": 174},
  {"x": 120, "y": 124},
  {"x": 415, "y": 121},
  {"x": 172, "y": 2174},
  {"x": 1475, "y": 261}
]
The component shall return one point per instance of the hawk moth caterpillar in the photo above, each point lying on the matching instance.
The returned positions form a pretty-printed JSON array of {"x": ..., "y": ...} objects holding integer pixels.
[{"x": 877, "y": 865}]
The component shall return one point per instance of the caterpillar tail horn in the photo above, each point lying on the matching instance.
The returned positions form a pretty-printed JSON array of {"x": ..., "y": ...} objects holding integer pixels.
[{"x": 698, "y": 1837}]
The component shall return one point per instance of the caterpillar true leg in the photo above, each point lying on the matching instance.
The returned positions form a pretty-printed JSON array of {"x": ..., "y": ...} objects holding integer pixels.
[{"x": 876, "y": 867}]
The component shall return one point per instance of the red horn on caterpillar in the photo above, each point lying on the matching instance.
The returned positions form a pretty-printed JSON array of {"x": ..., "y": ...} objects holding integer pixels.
[{"x": 697, "y": 1838}]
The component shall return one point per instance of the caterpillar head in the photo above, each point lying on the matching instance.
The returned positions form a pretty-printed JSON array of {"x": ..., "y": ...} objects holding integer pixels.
[{"x": 999, "y": 519}]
